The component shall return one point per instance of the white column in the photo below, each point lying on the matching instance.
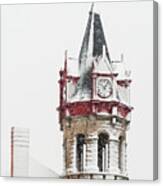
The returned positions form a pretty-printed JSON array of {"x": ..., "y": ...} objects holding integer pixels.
[
  {"x": 103, "y": 159},
  {"x": 123, "y": 158},
  {"x": 74, "y": 156},
  {"x": 84, "y": 156},
  {"x": 106, "y": 157},
  {"x": 64, "y": 157},
  {"x": 71, "y": 156},
  {"x": 114, "y": 156},
  {"x": 91, "y": 154}
]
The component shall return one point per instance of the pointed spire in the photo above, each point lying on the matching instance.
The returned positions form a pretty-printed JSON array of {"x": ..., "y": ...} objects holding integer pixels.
[
  {"x": 92, "y": 6},
  {"x": 85, "y": 44},
  {"x": 99, "y": 42},
  {"x": 93, "y": 41},
  {"x": 93, "y": 45}
]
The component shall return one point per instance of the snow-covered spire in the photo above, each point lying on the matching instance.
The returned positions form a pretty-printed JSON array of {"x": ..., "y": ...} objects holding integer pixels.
[
  {"x": 99, "y": 42},
  {"x": 93, "y": 41},
  {"x": 85, "y": 50},
  {"x": 92, "y": 48}
]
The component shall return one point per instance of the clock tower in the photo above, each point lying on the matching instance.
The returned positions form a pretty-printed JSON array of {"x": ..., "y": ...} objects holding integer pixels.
[{"x": 94, "y": 110}]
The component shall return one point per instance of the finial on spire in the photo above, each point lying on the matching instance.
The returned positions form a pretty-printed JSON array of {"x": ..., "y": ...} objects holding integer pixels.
[{"x": 92, "y": 5}]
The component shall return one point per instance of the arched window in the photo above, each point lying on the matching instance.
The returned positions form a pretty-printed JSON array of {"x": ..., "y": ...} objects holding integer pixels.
[
  {"x": 80, "y": 152},
  {"x": 103, "y": 152},
  {"x": 121, "y": 140}
]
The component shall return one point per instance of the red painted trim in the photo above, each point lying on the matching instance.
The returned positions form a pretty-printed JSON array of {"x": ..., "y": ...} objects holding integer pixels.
[
  {"x": 105, "y": 75},
  {"x": 62, "y": 86},
  {"x": 75, "y": 79},
  {"x": 124, "y": 83},
  {"x": 86, "y": 107}
]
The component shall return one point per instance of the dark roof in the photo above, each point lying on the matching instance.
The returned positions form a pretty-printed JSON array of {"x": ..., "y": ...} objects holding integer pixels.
[
  {"x": 93, "y": 43},
  {"x": 98, "y": 39}
]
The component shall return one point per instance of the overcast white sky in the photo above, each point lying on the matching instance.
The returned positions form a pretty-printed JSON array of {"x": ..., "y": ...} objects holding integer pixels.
[{"x": 34, "y": 38}]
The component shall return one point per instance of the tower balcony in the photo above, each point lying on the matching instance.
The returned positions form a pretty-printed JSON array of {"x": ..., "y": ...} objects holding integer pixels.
[{"x": 112, "y": 109}]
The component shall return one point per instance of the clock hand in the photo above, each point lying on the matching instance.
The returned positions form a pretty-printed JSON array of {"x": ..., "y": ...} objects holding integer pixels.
[{"x": 106, "y": 84}]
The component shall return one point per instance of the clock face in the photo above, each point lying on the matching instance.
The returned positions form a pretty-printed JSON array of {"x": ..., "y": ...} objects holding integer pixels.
[{"x": 104, "y": 88}]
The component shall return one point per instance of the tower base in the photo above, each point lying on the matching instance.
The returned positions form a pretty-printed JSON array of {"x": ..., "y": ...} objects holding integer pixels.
[{"x": 101, "y": 176}]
